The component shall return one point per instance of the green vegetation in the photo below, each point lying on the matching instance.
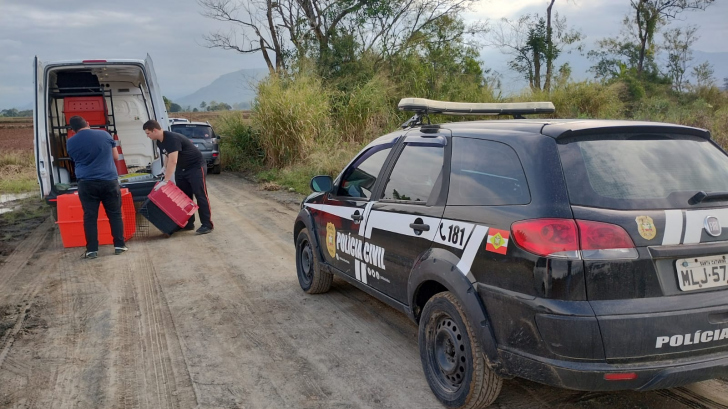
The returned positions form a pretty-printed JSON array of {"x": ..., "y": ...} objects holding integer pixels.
[
  {"x": 17, "y": 172},
  {"x": 334, "y": 87}
]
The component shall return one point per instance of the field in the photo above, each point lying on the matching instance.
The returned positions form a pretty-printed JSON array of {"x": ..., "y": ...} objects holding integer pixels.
[
  {"x": 17, "y": 167},
  {"x": 16, "y": 134}
]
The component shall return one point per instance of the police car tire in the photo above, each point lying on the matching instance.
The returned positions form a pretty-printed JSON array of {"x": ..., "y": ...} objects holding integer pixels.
[
  {"x": 310, "y": 276},
  {"x": 443, "y": 319}
]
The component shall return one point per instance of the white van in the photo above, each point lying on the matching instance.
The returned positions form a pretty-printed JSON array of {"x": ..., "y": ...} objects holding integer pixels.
[{"x": 115, "y": 95}]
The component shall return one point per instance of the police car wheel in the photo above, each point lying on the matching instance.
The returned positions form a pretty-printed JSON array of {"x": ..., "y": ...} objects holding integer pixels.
[
  {"x": 451, "y": 356},
  {"x": 310, "y": 276}
]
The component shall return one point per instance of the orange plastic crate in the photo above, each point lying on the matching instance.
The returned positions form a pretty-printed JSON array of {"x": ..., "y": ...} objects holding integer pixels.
[{"x": 70, "y": 220}]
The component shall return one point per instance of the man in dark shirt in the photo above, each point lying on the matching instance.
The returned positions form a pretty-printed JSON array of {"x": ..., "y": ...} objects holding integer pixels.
[
  {"x": 185, "y": 162},
  {"x": 93, "y": 152}
]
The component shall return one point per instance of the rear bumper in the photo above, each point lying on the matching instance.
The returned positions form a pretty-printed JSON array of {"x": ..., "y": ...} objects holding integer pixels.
[
  {"x": 209, "y": 159},
  {"x": 590, "y": 376}
]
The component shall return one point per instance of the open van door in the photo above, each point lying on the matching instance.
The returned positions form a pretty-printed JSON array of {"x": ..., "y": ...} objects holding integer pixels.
[
  {"x": 160, "y": 110},
  {"x": 41, "y": 144}
]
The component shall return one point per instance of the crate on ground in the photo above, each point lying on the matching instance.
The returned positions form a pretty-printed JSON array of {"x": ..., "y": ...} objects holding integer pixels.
[
  {"x": 70, "y": 220},
  {"x": 174, "y": 203},
  {"x": 158, "y": 218}
]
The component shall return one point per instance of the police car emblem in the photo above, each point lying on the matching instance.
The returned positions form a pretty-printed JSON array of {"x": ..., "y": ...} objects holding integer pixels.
[
  {"x": 712, "y": 226},
  {"x": 331, "y": 239},
  {"x": 646, "y": 227}
]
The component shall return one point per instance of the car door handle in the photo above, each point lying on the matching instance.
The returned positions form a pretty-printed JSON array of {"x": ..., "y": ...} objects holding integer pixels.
[
  {"x": 420, "y": 227},
  {"x": 357, "y": 217}
]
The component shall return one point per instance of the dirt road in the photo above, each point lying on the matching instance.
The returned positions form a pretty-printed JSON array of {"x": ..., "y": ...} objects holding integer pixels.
[{"x": 219, "y": 321}]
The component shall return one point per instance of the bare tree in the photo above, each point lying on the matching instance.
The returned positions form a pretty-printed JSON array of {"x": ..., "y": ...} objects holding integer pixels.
[
  {"x": 649, "y": 14},
  {"x": 257, "y": 22}
]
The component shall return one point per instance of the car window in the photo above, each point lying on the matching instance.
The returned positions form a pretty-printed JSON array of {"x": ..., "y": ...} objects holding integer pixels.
[
  {"x": 486, "y": 173},
  {"x": 358, "y": 180},
  {"x": 640, "y": 171},
  {"x": 415, "y": 174},
  {"x": 194, "y": 131}
]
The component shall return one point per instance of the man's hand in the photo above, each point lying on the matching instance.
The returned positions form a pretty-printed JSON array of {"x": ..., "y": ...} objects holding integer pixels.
[{"x": 159, "y": 185}]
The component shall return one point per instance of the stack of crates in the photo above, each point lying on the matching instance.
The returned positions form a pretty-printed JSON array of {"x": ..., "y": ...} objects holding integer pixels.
[{"x": 70, "y": 220}]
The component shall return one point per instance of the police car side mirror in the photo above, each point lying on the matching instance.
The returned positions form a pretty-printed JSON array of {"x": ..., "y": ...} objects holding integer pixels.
[{"x": 322, "y": 183}]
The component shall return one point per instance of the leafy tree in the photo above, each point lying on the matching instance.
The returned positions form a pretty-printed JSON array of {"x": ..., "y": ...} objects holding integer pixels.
[
  {"x": 167, "y": 102},
  {"x": 195, "y": 110},
  {"x": 174, "y": 107},
  {"x": 534, "y": 43},
  {"x": 649, "y": 15},
  {"x": 203, "y": 104},
  {"x": 703, "y": 74},
  {"x": 678, "y": 43}
]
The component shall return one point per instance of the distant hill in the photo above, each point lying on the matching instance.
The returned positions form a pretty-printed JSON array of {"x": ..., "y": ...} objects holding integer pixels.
[{"x": 233, "y": 88}]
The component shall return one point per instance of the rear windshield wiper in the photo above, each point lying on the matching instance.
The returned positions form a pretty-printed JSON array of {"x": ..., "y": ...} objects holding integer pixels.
[{"x": 701, "y": 197}]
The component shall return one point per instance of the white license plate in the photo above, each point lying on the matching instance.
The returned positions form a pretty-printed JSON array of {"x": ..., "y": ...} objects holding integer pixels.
[{"x": 699, "y": 273}]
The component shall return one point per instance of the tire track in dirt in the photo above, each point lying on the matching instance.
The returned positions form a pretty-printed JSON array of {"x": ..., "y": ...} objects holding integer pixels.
[{"x": 153, "y": 370}]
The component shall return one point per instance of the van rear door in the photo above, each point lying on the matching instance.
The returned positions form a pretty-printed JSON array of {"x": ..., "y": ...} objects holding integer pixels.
[
  {"x": 41, "y": 144},
  {"x": 160, "y": 111},
  {"x": 662, "y": 292}
]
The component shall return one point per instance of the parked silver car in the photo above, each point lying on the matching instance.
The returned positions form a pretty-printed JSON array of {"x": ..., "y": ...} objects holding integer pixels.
[{"x": 205, "y": 139}]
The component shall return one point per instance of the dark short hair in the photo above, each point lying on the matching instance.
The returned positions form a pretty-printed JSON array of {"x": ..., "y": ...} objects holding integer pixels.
[
  {"x": 151, "y": 125},
  {"x": 77, "y": 123}
]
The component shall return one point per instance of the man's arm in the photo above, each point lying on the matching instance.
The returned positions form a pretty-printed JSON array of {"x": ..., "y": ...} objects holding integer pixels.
[
  {"x": 115, "y": 152},
  {"x": 171, "y": 166}
]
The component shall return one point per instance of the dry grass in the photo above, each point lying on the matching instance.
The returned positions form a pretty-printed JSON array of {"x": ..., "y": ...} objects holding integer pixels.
[{"x": 17, "y": 171}]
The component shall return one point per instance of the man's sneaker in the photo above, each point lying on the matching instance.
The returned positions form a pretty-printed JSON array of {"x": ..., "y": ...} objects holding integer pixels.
[
  {"x": 119, "y": 250},
  {"x": 189, "y": 226},
  {"x": 91, "y": 254},
  {"x": 203, "y": 230}
]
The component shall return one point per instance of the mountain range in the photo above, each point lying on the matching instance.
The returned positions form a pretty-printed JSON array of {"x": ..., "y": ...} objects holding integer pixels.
[{"x": 235, "y": 88}]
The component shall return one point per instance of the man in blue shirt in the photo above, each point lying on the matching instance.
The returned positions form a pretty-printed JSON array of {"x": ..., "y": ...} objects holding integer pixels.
[{"x": 93, "y": 152}]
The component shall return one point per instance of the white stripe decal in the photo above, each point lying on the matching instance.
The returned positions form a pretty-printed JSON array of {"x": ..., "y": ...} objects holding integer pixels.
[
  {"x": 356, "y": 270},
  {"x": 695, "y": 221},
  {"x": 673, "y": 227},
  {"x": 340, "y": 211},
  {"x": 471, "y": 249},
  {"x": 363, "y": 223},
  {"x": 399, "y": 223}
]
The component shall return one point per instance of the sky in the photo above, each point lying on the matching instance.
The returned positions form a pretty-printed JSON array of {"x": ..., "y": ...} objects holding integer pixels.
[{"x": 171, "y": 31}]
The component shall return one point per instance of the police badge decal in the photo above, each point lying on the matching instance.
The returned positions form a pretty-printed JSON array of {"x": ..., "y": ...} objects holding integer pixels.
[
  {"x": 331, "y": 239},
  {"x": 646, "y": 227}
]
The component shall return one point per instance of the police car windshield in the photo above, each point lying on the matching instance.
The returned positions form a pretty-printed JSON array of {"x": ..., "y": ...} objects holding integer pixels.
[
  {"x": 193, "y": 131},
  {"x": 630, "y": 171}
]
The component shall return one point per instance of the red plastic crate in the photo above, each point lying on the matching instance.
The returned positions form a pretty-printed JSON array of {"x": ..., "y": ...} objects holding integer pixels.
[
  {"x": 92, "y": 109},
  {"x": 70, "y": 220},
  {"x": 174, "y": 203}
]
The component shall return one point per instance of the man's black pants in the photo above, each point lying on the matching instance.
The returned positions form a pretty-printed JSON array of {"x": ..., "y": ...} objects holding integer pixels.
[
  {"x": 192, "y": 182},
  {"x": 108, "y": 192}
]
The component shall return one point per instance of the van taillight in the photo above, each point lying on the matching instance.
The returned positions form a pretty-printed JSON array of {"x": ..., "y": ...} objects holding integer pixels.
[
  {"x": 547, "y": 237},
  {"x": 567, "y": 238}
]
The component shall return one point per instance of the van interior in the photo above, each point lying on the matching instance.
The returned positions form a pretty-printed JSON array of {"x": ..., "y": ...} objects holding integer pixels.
[{"x": 112, "y": 97}]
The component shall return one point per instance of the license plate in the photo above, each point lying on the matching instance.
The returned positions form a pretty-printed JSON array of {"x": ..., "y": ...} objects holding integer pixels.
[{"x": 699, "y": 273}]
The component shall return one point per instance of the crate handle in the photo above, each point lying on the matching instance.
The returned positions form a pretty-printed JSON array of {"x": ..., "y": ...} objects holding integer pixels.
[{"x": 190, "y": 206}]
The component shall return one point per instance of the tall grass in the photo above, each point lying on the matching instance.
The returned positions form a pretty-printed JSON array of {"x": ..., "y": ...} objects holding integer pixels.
[
  {"x": 290, "y": 114},
  {"x": 17, "y": 172},
  {"x": 240, "y": 148}
]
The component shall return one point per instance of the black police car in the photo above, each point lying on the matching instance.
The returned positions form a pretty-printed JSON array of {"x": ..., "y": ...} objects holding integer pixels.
[{"x": 584, "y": 254}]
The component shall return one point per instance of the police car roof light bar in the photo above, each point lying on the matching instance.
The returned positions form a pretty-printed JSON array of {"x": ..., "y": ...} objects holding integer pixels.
[{"x": 516, "y": 109}]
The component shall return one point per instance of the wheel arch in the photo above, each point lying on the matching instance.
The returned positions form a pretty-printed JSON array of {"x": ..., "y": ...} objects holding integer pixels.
[
  {"x": 437, "y": 271},
  {"x": 305, "y": 221}
]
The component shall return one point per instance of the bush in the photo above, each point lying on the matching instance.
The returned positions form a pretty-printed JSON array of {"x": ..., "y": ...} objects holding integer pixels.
[
  {"x": 366, "y": 112},
  {"x": 584, "y": 99},
  {"x": 289, "y": 115},
  {"x": 240, "y": 143}
]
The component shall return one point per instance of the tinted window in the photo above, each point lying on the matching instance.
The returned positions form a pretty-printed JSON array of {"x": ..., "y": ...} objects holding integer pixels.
[
  {"x": 193, "y": 131},
  {"x": 486, "y": 173},
  {"x": 415, "y": 174},
  {"x": 358, "y": 180},
  {"x": 630, "y": 171}
]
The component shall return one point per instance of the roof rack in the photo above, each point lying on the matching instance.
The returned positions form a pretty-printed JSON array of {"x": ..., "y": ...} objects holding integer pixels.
[{"x": 423, "y": 107}]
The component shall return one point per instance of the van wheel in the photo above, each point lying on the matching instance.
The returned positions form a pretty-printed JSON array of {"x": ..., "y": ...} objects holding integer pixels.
[
  {"x": 310, "y": 276},
  {"x": 452, "y": 359},
  {"x": 216, "y": 169}
]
